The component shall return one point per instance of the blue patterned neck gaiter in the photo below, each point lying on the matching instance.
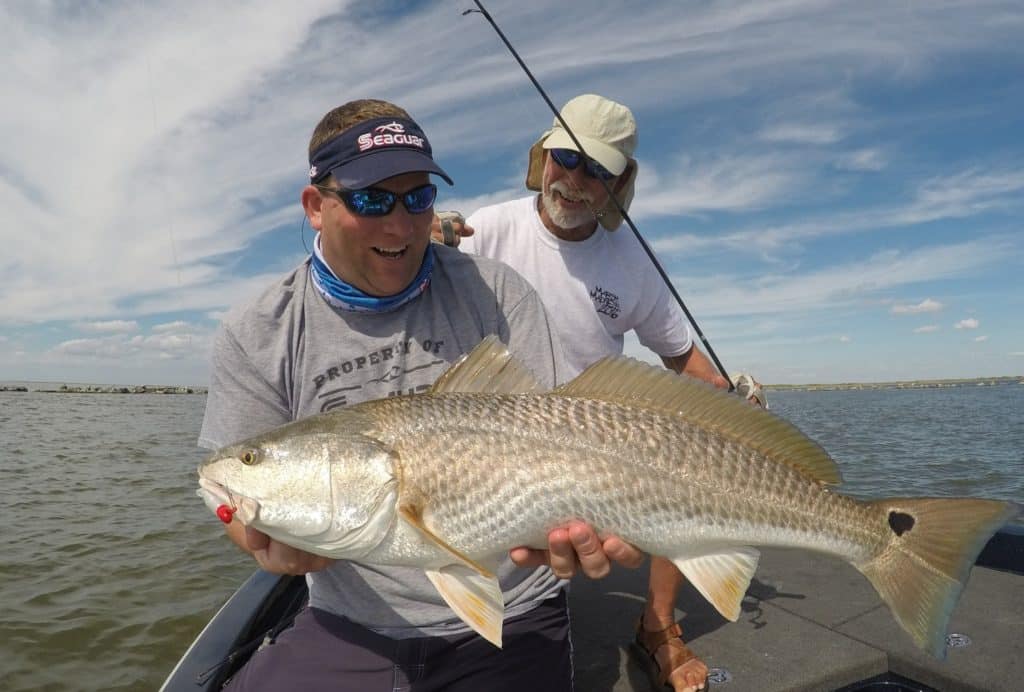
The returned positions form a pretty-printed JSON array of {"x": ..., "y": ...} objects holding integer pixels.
[{"x": 347, "y": 297}]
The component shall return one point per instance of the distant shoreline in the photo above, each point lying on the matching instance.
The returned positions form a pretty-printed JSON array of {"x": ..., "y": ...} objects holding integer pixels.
[
  {"x": 53, "y": 388},
  {"x": 904, "y": 384},
  {"x": 104, "y": 389}
]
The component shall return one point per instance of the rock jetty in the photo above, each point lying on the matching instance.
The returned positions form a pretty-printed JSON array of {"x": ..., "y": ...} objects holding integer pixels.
[
  {"x": 119, "y": 389},
  {"x": 907, "y": 384}
]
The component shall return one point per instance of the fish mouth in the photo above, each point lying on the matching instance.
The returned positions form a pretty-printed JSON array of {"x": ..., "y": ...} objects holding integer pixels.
[{"x": 216, "y": 495}]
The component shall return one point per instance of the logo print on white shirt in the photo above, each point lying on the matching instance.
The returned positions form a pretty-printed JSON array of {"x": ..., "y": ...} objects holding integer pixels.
[{"x": 606, "y": 302}]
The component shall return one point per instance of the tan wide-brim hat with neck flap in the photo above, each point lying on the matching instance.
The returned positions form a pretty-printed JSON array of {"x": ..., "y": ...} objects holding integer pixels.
[{"x": 607, "y": 131}]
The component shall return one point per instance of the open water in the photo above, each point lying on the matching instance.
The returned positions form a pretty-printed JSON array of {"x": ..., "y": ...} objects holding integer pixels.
[{"x": 111, "y": 565}]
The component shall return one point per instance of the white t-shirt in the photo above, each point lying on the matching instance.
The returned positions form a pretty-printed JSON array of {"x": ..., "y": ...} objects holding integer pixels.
[{"x": 594, "y": 290}]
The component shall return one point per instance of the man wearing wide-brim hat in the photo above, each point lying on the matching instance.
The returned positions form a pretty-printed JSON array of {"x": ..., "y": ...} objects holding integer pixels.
[{"x": 597, "y": 283}]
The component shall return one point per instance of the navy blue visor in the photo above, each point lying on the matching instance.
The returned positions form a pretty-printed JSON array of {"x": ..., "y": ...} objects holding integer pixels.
[{"x": 374, "y": 150}]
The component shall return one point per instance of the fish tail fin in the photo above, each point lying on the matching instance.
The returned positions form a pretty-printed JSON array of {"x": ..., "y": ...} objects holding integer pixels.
[{"x": 924, "y": 567}]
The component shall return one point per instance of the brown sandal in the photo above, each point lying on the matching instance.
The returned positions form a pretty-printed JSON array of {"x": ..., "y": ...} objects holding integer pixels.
[{"x": 646, "y": 644}]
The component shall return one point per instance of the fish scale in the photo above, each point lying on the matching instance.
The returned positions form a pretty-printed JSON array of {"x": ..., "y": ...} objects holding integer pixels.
[{"x": 481, "y": 458}]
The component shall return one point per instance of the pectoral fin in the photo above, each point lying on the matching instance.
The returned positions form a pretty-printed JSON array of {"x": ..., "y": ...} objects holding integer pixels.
[
  {"x": 469, "y": 588},
  {"x": 722, "y": 577}
]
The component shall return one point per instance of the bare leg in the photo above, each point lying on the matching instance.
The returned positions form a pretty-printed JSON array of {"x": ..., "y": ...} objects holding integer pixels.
[{"x": 659, "y": 614}]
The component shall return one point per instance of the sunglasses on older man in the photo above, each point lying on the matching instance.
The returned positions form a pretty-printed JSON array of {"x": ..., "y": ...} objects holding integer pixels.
[
  {"x": 374, "y": 201},
  {"x": 570, "y": 160}
]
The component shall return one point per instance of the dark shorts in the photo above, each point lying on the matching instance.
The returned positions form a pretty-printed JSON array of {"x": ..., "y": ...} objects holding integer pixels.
[{"x": 323, "y": 651}]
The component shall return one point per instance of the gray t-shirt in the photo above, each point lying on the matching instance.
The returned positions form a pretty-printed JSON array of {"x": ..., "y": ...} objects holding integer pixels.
[{"x": 289, "y": 355}]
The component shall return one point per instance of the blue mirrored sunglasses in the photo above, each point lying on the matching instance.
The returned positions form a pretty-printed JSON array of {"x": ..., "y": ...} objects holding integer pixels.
[
  {"x": 569, "y": 160},
  {"x": 373, "y": 201}
]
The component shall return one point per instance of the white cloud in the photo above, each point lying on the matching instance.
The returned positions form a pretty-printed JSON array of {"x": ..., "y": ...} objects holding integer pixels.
[
  {"x": 718, "y": 183},
  {"x": 807, "y": 133},
  {"x": 137, "y": 347},
  {"x": 177, "y": 326},
  {"x": 794, "y": 234},
  {"x": 968, "y": 193},
  {"x": 926, "y": 305},
  {"x": 927, "y": 329},
  {"x": 845, "y": 339},
  {"x": 109, "y": 326},
  {"x": 161, "y": 127},
  {"x": 103, "y": 348},
  {"x": 840, "y": 285},
  {"x": 981, "y": 338},
  {"x": 969, "y": 323},
  {"x": 861, "y": 160}
]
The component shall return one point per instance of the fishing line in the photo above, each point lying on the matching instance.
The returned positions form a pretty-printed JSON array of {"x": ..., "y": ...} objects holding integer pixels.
[
  {"x": 302, "y": 235},
  {"x": 168, "y": 218},
  {"x": 625, "y": 217}
]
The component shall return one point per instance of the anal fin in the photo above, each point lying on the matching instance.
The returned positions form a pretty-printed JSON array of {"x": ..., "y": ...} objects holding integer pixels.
[{"x": 722, "y": 577}]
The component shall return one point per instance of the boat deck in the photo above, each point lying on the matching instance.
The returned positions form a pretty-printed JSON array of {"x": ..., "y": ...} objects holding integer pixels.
[{"x": 808, "y": 622}]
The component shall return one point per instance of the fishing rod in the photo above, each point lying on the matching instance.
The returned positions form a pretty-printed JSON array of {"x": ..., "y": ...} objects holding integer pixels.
[{"x": 643, "y": 243}]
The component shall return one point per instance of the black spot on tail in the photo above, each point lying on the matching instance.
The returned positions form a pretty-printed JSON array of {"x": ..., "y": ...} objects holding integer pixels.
[{"x": 900, "y": 522}]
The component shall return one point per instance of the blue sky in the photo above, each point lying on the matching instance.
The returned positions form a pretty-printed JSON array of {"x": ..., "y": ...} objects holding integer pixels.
[{"x": 835, "y": 188}]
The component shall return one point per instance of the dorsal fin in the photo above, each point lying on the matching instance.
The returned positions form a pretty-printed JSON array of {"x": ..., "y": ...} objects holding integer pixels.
[
  {"x": 488, "y": 368},
  {"x": 627, "y": 381}
]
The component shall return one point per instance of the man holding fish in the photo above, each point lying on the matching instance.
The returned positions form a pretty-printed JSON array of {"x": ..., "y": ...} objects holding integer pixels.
[{"x": 379, "y": 311}]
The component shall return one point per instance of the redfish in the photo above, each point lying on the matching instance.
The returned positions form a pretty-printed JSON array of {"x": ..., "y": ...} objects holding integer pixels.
[{"x": 451, "y": 479}]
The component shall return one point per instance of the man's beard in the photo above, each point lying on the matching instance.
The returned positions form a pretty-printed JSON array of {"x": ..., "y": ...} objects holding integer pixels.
[{"x": 566, "y": 218}]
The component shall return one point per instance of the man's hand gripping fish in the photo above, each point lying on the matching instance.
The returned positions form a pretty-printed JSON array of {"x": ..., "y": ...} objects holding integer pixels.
[{"x": 451, "y": 480}]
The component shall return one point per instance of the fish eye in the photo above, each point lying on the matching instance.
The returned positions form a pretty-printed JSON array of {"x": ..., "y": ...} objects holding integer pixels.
[{"x": 249, "y": 457}]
